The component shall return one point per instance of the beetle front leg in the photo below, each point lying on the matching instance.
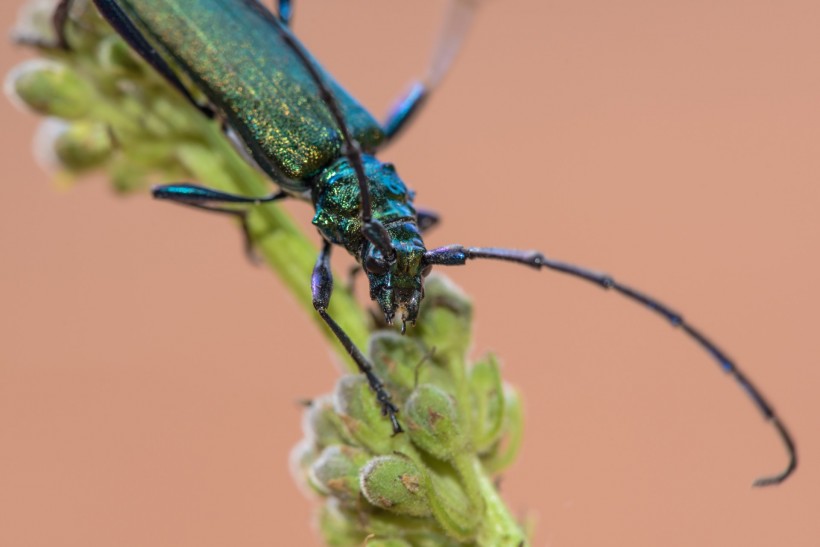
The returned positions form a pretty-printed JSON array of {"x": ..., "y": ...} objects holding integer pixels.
[
  {"x": 322, "y": 288},
  {"x": 457, "y": 255}
]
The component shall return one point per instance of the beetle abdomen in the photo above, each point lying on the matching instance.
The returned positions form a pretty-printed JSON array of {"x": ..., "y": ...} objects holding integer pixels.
[{"x": 238, "y": 59}]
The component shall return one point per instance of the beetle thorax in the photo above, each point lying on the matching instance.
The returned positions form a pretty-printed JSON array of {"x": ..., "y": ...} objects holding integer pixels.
[{"x": 335, "y": 193}]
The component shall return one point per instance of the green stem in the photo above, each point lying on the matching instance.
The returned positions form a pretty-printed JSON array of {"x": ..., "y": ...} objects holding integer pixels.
[{"x": 498, "y": 528}]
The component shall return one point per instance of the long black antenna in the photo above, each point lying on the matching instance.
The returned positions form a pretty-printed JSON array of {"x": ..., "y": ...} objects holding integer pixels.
[{"x": 456, "y": 255}]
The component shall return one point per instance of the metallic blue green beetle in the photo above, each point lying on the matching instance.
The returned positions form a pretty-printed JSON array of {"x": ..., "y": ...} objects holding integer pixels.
[{"x": 316, "y": 142}]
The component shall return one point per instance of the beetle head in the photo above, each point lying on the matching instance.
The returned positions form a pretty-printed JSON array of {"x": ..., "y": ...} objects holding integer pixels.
[{"x": 398, "y": 287}]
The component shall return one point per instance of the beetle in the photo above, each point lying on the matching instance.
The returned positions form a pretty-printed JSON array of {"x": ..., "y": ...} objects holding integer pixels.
[{"x": 316, "y": 142}]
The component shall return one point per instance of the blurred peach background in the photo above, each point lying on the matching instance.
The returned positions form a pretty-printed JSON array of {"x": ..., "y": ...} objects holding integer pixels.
[{"x": 149, "y": 376}]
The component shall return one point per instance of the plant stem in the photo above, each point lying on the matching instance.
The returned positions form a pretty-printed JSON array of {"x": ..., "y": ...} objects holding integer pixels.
[
  {"x": 499, "y": 528},
  {"x": 289, "y": 253}
]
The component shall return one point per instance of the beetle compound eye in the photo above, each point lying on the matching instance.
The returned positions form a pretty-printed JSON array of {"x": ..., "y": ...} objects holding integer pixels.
[
  {"x": 426, "y": 271},
  {"x": 376, "y": 265}
]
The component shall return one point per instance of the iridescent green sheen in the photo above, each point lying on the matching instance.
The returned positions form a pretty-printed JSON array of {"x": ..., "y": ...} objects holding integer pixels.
[
  {"x": 337, "y": 203},
  {"x": 233, "y": 52}
]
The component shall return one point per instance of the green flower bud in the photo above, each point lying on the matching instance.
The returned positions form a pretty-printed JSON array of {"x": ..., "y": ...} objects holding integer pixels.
[
  {"x": 116, "y": 58},
  {"x": 396, "y": 484},
  {"x": 503, "y": 453},
  {"x": 320, "y": 423},
  {"x": 302, "y": 456},
  {"x": 51, "y": 88},
  {"x": 433, "y": 422},
  {"x": 126, "y": 176},
  {"x": 336, "y": 471},
  {"x": 445, "y": 317},
  {"x": 440, "y": 291},
  {"x": 361, "y": 415},
  {"x": 83, "y": 145},
  {"x": 397, "y": 359},
  {"x": 339, "y": 527},
  {"x": 450, "y": 502},
  {"x": 488, "y": 403}
]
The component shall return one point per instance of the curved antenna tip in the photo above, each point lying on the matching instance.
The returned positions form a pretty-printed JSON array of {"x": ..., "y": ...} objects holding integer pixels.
[{"x": 786, "y": 437}]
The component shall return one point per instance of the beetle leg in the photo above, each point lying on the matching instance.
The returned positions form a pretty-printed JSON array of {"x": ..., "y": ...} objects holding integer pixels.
[
  {"x": 284, "y": 9},
  {"x": 457, "y": 23},
  {"x": 117, "y": 18},
  {"x": 456, "y": 255},
  {"x": 193, "y": 193},
  {"x": 322, "y": 288},
  {"x": 426, "y": 219},
  {"x": 203, "y": 198},
  {"x": 285, "y": 12},
  {"x": 405, "y": 109}
]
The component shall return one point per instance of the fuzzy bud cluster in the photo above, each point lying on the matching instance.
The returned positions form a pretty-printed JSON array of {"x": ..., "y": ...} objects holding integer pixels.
[
  {"x": 428, "y": 485},
  {"x": 104, "y": 109}
]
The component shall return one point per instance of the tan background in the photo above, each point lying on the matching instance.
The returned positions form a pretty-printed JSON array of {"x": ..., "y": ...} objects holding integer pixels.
[{"x": 149, "y": 375}]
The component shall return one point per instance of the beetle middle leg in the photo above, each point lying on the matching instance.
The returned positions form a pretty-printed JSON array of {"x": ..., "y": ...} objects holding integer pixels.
[
  {"x": 322, "y": 287},
  {"x": 200, "y": 197},
  {"x": 457, "y": 23}
]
